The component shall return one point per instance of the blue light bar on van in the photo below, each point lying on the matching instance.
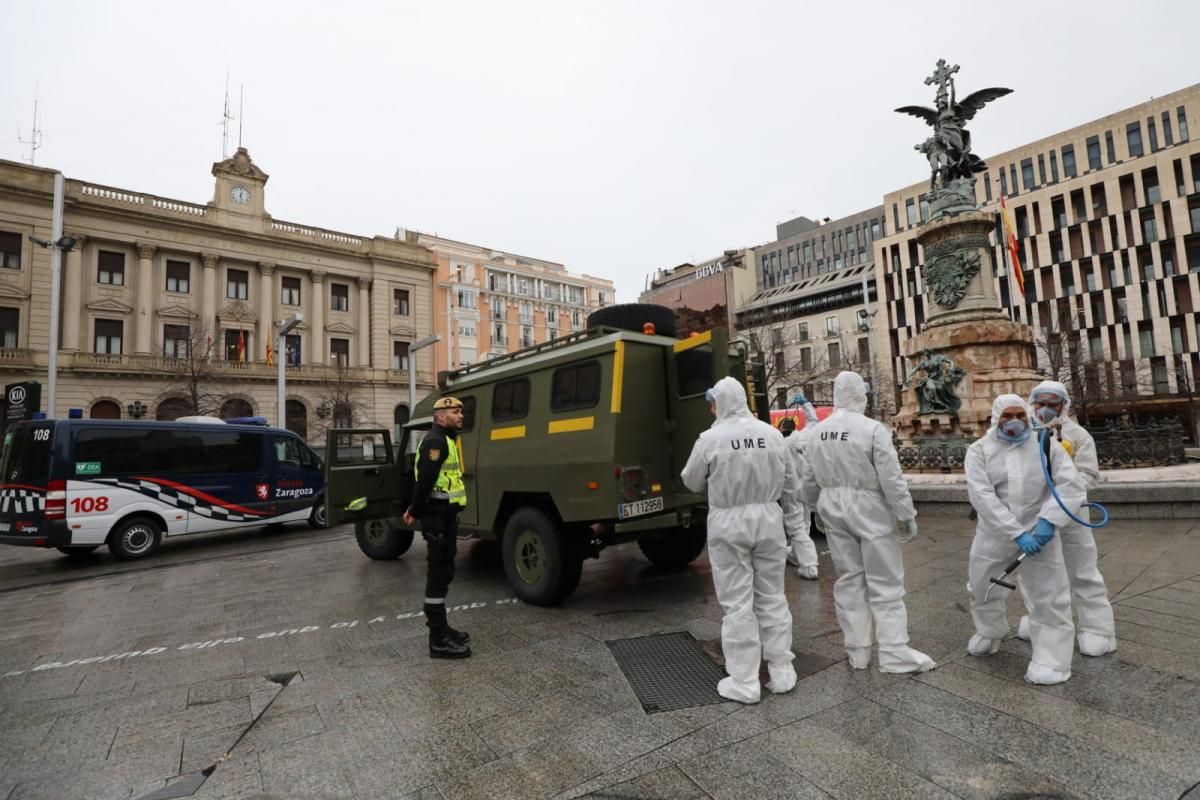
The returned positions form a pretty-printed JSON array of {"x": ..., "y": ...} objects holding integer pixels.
[{"x": 246, "y": 421}]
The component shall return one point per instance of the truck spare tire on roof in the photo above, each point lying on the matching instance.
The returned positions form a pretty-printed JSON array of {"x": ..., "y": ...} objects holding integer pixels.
[{"x": 632, "y": 316}]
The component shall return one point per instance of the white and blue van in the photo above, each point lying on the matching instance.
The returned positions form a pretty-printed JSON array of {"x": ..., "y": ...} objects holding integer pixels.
[{"x": 78, "y": 484}]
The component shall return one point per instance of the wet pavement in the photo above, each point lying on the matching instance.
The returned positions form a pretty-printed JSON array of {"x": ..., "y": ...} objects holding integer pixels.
[{"x": 299, "y": 668}]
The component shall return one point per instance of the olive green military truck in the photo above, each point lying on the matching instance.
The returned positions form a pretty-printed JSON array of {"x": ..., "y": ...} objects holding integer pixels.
[{"x": 567, "y": 447}]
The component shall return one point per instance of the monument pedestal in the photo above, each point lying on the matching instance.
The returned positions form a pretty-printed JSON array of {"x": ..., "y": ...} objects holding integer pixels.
[{"x": 965, "y": 325}]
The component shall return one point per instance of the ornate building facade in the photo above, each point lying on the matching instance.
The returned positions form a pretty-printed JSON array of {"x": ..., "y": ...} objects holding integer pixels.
[{"x": 170, "y": 307}]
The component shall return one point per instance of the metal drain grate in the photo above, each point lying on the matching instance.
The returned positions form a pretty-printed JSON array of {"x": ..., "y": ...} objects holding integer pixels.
[{"x": 668, "y": 671}]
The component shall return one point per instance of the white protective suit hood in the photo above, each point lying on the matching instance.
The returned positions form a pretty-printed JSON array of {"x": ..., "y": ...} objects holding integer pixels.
[
  {"x": 1007, "y": 401},
  {"x": 730, "y": 397},
  {"x": 850, "y": 392},
  {"x": 1056, "y": 388}
]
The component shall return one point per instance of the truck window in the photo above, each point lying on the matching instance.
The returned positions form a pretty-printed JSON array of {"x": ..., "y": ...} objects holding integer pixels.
[
  {"x": 510, "y": 399},
  {"x": 27, "y": 455},
  {"x": 575, "y": 386},
  {"x": 695, "y": 369},
  {"x": 362, "y": 448},
  {"x": 468, "y": 412}
]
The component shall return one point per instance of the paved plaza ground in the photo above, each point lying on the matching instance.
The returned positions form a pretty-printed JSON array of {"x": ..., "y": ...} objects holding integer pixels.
[{"x": 176, "y": 650}]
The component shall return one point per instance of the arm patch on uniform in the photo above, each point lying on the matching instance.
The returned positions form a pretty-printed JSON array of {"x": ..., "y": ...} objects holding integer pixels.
[{"x": 435, "y": 454}]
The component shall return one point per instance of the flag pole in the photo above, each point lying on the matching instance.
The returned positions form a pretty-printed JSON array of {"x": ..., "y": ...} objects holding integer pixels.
[{"x": 1012, "y": 284}]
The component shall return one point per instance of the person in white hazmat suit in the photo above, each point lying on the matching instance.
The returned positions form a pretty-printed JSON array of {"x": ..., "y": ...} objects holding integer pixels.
[
  {"x": 1095, "y": 632},
  {"x": 1016, "y": 512},
  {"x": 802, "y": 553},
  {"x": 852, "y": 476},
  {"x": 744, "y": 464}
]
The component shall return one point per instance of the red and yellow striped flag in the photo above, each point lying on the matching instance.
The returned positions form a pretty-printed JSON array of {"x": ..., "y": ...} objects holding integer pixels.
[{"x": 1010, "y": 243}]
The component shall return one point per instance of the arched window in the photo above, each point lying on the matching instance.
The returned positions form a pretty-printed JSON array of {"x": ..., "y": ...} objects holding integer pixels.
[
  {"x": 297, "y": 418},
  {"x": 172, "y": 409},
  {"x": 106, "y": 409},
  {"x": 399, "y": 419},
  {"x": 236, "y": 407}
]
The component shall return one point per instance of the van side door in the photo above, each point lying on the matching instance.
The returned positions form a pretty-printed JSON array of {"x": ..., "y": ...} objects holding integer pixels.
[
  {"x": 361, "y": 471},
  {"x": 228, "y": 484},
  {"x": 297, "y": 481},
  {"x": 693, "y": 366}
]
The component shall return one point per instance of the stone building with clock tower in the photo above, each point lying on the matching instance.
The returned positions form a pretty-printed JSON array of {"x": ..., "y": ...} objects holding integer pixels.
[{"x": 167, "y": 302}]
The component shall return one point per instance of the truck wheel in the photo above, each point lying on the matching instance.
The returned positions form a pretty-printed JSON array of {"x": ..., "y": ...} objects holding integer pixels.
[
  {"x": 134, "y": 538},
  {"x": 381, "y": 540},
  {"x": 675, "y": 548},
  {"x": 542, "y": 565},
  {"x": 78, "y": 551},
  {"x": 632, "y": 316}
]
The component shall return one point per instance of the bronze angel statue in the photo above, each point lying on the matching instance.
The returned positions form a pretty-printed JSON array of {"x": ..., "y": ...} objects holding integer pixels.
[{"x": 949, "y": 148}]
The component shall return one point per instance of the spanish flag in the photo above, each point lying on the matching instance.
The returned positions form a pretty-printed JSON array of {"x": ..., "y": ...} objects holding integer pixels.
[
  {"x": 1010, "y": 244},
  {"x": 241, "y": 351}
]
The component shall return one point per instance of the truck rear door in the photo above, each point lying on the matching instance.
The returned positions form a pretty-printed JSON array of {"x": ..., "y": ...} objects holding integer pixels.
[
  {"x": 362, "y": 477},
  {"x": 693, "y": 366}
]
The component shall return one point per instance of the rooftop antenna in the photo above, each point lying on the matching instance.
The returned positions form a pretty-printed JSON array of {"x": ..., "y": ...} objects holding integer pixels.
[
  {"x": 35, "y": 138},
  {"x": 226, "y": 118},
  {"x": 241, "y": 102}
]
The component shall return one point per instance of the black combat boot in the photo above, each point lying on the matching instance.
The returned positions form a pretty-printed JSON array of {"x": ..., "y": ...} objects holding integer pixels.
[
  {"x": 461, "y": 637},
  {"x": 441, "y": 645}
]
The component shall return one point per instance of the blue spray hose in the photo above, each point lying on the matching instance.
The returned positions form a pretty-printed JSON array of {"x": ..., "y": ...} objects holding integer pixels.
[{"x": 1050, "y": 483}]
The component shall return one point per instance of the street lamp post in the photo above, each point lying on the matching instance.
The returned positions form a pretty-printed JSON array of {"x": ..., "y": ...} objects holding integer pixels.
[
  {"x": 57, "y": 244},
  {"x": 865, "y": 317},
  {"x": 419, "y": 344},
  {"x": 285, "y": 327}
]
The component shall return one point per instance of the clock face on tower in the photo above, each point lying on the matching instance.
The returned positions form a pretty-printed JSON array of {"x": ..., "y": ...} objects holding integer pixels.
[{"x": 240, "y": 195}]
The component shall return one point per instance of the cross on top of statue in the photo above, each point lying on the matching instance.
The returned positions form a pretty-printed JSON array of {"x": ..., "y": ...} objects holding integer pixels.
[{"x": 941, "y": 76}]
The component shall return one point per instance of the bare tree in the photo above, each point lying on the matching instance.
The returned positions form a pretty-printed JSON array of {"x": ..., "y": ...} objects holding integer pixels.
[
  {"x": 789, "y": 361},
  {"x": 338, "y": 402},
  {"x": 1093, "y": 381},
  {"x": 189, "y": 364}
]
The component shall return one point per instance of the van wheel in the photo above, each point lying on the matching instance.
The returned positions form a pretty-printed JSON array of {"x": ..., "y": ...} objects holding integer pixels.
[
  {"x": 381, "y": 540},
  {"x": 317, "y": 518},
  {"x": 674, "y": 548},
  {"x": 542, "y": 565},
  {"x": 78, "y": 551},
  {"x": 134, "y": 538}
]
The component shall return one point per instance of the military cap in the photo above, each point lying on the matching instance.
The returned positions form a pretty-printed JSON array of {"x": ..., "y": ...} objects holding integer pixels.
[{"x": 447, "y": 403}]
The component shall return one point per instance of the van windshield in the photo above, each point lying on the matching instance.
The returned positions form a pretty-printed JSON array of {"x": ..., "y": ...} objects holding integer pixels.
[{"x": 26, "y": 458}]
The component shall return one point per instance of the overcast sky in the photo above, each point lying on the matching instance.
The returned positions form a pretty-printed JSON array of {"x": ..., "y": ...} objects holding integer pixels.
[{"x": 613, "y": 137}]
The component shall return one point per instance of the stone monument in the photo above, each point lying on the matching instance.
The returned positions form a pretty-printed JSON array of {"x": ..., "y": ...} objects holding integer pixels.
[{"x": 968, "y": 349}]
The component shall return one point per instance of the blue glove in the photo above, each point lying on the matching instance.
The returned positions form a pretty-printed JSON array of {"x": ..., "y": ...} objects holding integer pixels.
[
  {"x": 1043, "y": 531},
  {"x": 1028, "y": 543},
  {"x": 800, "y": 399}
]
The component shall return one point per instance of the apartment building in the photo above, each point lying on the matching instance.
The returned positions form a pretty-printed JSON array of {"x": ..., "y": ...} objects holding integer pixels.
[
  {"x": 165, "y": 301},
  {"x": 1107, "y": 217},
  {"x": 490, "y": 302}
]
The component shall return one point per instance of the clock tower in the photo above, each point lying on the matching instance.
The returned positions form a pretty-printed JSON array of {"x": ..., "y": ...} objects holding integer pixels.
[{"x": 239, "y": 190}]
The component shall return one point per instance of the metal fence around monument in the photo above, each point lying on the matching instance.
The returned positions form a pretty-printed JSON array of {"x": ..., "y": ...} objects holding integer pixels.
[
  {"x": 1155, "y": 443},
  {"x": 1119, "y": 445}
]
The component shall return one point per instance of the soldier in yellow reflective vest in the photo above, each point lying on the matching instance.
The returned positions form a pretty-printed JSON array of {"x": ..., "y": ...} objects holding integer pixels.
[{"x": 437, "y": 498}]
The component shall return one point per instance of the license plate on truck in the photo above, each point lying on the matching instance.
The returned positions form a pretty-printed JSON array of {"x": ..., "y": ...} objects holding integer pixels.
[{"x": 639, "y": 507}]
